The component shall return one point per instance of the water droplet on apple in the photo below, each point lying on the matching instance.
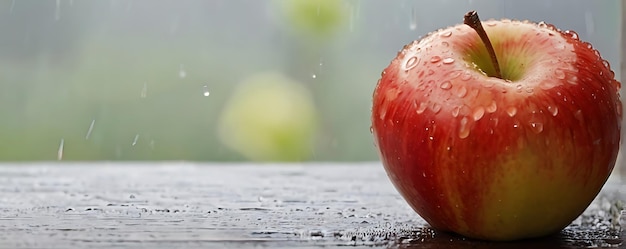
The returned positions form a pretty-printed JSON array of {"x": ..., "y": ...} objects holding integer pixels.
[
  {"x": 446, "y": 85},
  {"x": 431, "y": 72},
  {"x": 464, "y": 128},
  {"x": 515, "y": 124},
  {"x": 445, "y": 44},
  {"x": 491, "y": 108},
  {"x": 435, "y": 59},
  {"x": 436, "y": 107},
  {"x": 542, "y": 24},
  {"x": 479, "y": 112},
  {"x": 466, "y": 76},
  {"x": 421, "y": 108},
  {"x": 536, "y": 127},
  {"x": 579, "y": 116},
  {"x": 448, "y": 60},
  {"x": 461, "y": 91},
  {"x": 559, "y": 74},
  {"x": 411, "y": 62},
  {"x": 606, "y": 64},
  {"x": 519, "y": 88},
  {"x": 572, "y": 34},
  {"x": 529, "y": 89},
  {"x": 488, "y": 83},
  {"x": 455, "y": 111},
  {"x": 424, "y": 174},
  {"x": 448, "y": 148},
  {"x": 553, "y": 110},
  {"x": 454, "y": 74},
  {"x": 560, "y": 46},
  {"x": 511, "y": 110},
  {"x": 446, "y": 34}
]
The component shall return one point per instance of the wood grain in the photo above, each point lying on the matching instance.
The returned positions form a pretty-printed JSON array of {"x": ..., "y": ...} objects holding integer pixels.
[{"x": 189, "y": 205}]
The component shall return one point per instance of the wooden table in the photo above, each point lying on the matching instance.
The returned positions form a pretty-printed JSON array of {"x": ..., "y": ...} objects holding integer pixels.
[{"x": 189, "y": 205}]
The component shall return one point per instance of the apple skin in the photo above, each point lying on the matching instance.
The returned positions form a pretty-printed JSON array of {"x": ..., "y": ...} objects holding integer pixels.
[{"x": 497, "y": 159}]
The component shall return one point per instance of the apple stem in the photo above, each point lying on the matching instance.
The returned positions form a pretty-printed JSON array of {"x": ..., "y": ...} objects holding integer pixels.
[{"x": 471, "y": 19}]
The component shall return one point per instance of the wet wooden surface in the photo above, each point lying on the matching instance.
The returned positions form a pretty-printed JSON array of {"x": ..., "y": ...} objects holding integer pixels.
[{"x": 188, "y": 205}]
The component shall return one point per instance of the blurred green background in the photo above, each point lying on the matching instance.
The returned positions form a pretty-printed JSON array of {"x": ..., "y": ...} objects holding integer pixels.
[{"x": 223, "y": 80}]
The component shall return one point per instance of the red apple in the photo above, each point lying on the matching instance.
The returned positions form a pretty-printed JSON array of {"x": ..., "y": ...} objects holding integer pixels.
[{"x": 492, "y": 156}]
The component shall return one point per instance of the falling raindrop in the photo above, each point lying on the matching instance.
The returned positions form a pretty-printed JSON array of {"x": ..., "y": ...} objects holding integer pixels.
[
  {"x": 93, "y": 122},
  {"x": 135, "y": 140},
  {"x": 413, "y": 22},
  {"x": 181, "y": 71},
  {"x": 206, "y": 92},
  {"x": 12, "y": 5},
  {"x": 57, "y": 10},
  {"x": 313, "y": 76},
  {"x": 60, "y": 151},
  {"x": 590, "y": 25},
  {"x": 144, "y": 91}
]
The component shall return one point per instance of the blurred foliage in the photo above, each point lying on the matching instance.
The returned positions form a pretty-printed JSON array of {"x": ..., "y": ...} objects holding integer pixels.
[
  {"x": 318, "y": 19},
  {"x": 270, "y": 118},
  {"x": 138, "y": 71}
]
